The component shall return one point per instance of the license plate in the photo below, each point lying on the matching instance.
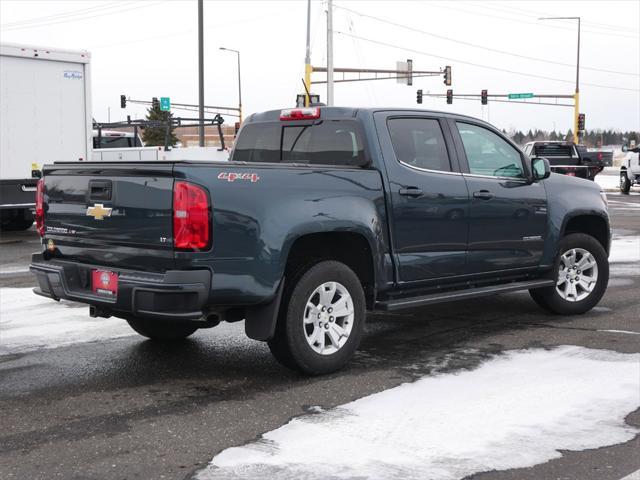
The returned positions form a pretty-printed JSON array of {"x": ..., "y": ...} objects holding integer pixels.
[{"x": 104, "y": 283}]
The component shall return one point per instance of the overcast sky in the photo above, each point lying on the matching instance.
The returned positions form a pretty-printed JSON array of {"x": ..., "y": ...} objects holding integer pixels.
[{"x": 149, "y": 48}]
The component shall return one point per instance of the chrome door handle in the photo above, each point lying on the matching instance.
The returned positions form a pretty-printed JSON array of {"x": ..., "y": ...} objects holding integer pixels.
[
  {"x": 411, "y": 192},
  {"x": 483, "y": 195}
]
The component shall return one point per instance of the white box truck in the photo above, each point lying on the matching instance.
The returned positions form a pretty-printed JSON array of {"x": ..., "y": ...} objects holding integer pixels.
[{"x": 45, "y": 116}]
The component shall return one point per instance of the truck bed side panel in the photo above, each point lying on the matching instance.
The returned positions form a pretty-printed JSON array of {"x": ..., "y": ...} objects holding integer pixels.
[{"x": 257, "y": 221}]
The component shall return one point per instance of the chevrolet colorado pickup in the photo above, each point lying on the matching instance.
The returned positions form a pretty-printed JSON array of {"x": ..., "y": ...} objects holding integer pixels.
[{"x": 321, "y": 214}]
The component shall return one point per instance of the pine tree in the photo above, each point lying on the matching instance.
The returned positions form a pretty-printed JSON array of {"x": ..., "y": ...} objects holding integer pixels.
[
  {"x": 154, "y": 136},
  {"x": 569, "y": 136}
]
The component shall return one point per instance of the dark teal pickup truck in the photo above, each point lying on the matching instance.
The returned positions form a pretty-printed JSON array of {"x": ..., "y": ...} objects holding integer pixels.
[{"x": 320, "y": 215}]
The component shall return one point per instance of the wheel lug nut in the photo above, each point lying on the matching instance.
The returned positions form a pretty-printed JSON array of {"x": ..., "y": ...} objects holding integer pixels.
[
  {"x": 324, "y": 308},
  {"x": 326, "y": 326},
  {"x": 330, "y": 310},
  {"x": 331, "y": 319}
]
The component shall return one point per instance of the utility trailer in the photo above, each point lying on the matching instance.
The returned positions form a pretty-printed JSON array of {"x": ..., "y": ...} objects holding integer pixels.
[{"x": 45, "y": 112}]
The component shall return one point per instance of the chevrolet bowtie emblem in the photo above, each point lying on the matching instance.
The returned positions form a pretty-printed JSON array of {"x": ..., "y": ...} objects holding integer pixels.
[{"x": 98, "y": 211}]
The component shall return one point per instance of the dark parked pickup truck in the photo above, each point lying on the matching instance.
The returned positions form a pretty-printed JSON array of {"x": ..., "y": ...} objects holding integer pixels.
[
  {"x": 567, "y": 158},
  {"x": 320, "y": 215}
]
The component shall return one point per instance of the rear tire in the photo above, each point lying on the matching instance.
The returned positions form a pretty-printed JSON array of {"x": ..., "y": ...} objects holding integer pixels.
[
  {"x": 625, "y": 183},
  {"x": 16, "y": 220},
  {"x": 158, "y": 330},
  {"x": 582, "y": 275},
  {"x": 321, "y": 319}
]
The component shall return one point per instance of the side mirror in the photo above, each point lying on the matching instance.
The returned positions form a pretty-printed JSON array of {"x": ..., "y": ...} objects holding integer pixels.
[
  {"x": 540, "y": 168},
  {"x": 625, "y": 148}
]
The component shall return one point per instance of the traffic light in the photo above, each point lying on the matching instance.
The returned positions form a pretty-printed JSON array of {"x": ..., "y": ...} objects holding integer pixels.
[
  {"x": 155, "y": 103},
  {"x": 419, "y": 96},
  {"x": 123, "y": 101},
  {"x": 483, "y": 97},
  {"x": 449, "y": 96},
  {"x": 447, "y": 76},
  {"x": 581, "y": 119}
]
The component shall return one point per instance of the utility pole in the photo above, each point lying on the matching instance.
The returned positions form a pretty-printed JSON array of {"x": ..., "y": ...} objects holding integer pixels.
[
  {"x": 200, "y": 73},
  {"x": 307, "y": 58},
  {"x": 576, "y": 97},
  {"x": 330, "y": 53}
]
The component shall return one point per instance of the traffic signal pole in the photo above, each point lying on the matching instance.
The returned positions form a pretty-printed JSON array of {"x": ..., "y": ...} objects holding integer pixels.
[
  {"x": 576, "y": 97},
  {"x": 576, "y": 136}
]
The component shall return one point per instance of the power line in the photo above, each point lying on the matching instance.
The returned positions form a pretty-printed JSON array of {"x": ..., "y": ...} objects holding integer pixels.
[
  {"x": 469, "y": 44},
  {"x": 72, "y": 13},
  {"x": 533, "y": 14},
  {"x": 511, "y": 19},
  {"x": 532, "y": 75},
  {"x": 78, "y": 18}
]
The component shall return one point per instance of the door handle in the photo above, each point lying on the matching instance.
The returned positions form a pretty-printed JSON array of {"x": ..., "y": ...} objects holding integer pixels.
[
  {"x": 483, "y": 195},
  {"x": 412, "y": 192}
]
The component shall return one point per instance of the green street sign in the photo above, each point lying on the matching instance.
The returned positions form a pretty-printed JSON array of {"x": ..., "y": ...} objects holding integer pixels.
[
  {"x": 165, "y": 104},
  {"x": 515, "y": 96}
]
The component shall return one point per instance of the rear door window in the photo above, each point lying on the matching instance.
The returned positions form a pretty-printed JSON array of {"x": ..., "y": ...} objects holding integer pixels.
[
  {"x": 418, "y": 142},
  {"x": 329, "y": 142}
]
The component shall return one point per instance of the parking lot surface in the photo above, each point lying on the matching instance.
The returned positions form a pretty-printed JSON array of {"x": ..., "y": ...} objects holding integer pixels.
[{"x": 118, "y": 406}]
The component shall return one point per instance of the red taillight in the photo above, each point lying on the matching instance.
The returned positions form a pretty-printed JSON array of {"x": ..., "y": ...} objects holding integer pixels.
[
  {"x": 40, "y": 207},
  {"x": 309, "y": 113},
  {"x": 191, "y": 217}
]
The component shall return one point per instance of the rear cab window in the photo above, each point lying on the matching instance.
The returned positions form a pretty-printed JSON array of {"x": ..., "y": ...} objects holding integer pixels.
[{"x": 323, "y": 142}]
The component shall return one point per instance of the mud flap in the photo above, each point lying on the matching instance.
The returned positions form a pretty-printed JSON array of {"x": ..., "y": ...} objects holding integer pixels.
[{"x": 260, "y": 321}]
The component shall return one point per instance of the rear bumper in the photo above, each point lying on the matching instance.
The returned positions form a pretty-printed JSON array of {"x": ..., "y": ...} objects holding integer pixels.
[{"x": 172, "y": 295}]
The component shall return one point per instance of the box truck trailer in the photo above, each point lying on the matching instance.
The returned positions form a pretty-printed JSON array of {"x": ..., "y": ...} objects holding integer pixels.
[{"x": 45, "y": 117}]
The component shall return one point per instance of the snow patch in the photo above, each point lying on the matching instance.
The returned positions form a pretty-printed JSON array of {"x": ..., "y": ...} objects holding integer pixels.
[
  {"x": 29, "y": 321},
  {"x": 514, "y": 411},
  {"x": 625, "y": 249},
  {"x": 608, "y": 182}
]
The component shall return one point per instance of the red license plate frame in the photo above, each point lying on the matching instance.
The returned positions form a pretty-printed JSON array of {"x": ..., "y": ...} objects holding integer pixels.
[{"x": 104, "y": 283}]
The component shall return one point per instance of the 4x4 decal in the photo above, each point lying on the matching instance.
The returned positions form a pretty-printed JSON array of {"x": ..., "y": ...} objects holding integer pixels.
[{"x": 232, "y": 177}]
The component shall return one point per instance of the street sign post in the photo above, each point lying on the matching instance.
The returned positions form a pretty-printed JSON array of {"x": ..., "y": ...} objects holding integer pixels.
[
  {"x": 165, "y": 104},
  {"x": 515, "y": 96}
]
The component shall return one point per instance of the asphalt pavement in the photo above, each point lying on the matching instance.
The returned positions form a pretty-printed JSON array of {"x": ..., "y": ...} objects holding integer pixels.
[{"x": 127, "y": 408}]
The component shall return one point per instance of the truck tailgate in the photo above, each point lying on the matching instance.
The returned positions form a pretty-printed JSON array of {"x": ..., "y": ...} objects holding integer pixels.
[{"x": 117, "y": 215}]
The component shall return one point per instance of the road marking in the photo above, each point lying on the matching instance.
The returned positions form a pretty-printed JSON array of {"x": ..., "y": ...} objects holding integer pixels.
[
  {"x": 620, "y": 331},
  {"x": 11, "y": 271}
]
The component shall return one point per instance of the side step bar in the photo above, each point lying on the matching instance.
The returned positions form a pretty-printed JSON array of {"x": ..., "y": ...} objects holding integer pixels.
[{"x": 411, "y": 302}]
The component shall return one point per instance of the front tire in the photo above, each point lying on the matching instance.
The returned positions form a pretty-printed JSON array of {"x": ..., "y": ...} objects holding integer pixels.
[
  {"x": 582, "y": 275},
  {"x": 162, "y": 331},
  {"x": 321, "y": 319},
  {"x": 625, "y": 183}
]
